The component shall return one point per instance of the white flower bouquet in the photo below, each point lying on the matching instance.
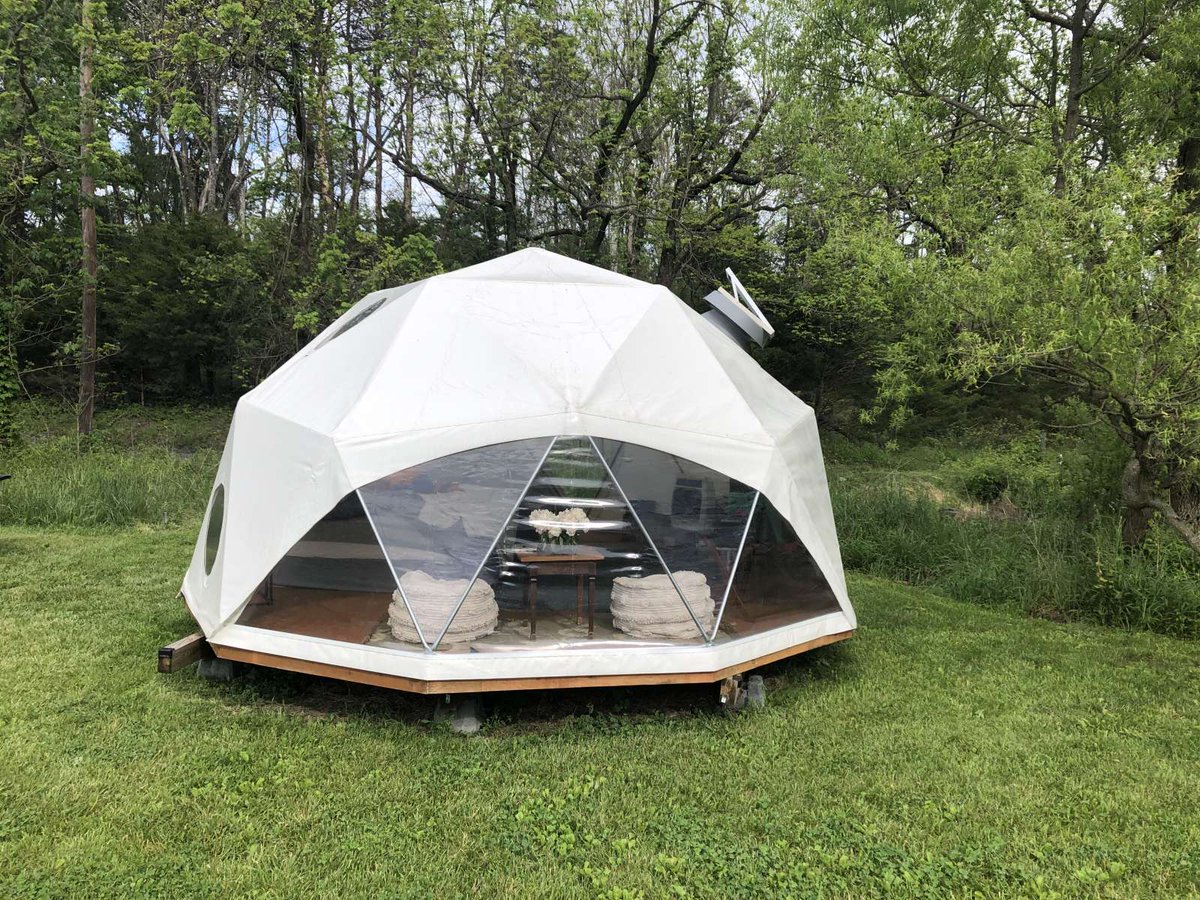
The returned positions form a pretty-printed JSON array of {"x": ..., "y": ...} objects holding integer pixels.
[{"x": 559, "y": 528}]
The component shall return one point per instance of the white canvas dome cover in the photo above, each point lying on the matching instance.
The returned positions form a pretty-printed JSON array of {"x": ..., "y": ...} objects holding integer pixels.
[{"x": 529, "y": 346}]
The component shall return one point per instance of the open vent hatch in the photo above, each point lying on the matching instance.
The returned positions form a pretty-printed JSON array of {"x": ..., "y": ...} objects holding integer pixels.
[{"x": 736, "y": 314}]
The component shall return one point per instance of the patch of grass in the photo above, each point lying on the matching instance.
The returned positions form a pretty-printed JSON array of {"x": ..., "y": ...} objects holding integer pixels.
[
  {"x": 141, "y": 465},
  {"x": 52, "y": 485},
  {"x": 839, "y": 450},
  {"x": 948, "y": 750},
  {"x": 180, "y": 428}
]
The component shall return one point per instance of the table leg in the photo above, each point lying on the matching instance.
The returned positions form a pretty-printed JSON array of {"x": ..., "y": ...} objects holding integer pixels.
[
  {"x": 579, "y": 599},
  {"x": 591, "y": 604},
  {"x": 532, "y": 603}
]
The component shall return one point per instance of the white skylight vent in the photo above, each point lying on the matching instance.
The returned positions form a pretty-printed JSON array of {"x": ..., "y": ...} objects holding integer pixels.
[{"x": 737, "y": 315}]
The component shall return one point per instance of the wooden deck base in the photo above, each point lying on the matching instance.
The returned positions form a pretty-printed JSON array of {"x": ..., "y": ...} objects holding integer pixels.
[
  {"x": 472, "y": 686},
  {"x": 178, "y": 655}
]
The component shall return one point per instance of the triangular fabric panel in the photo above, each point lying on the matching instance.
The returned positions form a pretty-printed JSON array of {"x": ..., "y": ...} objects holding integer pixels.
[
  {"x": 574, "y": 565},
  {"x": 630, "y": 389},
  {"x": 474, "y": 362},
  {"x": 533, "y": 265},
  {"x": 437, "y": 523}
]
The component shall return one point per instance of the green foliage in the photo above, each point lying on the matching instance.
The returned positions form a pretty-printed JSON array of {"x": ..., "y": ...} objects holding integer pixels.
[
  {"x": 1032, "y": 479},
  {"x": 140, "y": 467},
  {"x": 1155, "y": 586},
  {"x": 186, "y": 303},
  {"x": 350, "y": 266},
  {"x": 986, "y": 479},
  {"x": 9, "y": 385},
  {"x": 1043, "y": 215},
  {"x": 1070, "y": 289},
  {"x": 1040, "y": 561}
]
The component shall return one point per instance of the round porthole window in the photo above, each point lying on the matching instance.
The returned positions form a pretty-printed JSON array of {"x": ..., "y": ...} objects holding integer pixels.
[{"x": 212, "y": 536}]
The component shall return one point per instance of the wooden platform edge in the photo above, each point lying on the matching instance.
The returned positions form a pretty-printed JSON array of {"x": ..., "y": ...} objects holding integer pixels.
[
  {"x": 178, "y": 655},
  {"x": 478, "y": 685}
]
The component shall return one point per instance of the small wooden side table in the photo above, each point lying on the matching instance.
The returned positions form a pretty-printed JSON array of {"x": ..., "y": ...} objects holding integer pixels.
[{"x": 581, "y": 565}]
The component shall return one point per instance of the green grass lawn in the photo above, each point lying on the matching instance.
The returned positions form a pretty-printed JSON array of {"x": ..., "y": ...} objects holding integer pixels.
[{"x": 946, "y": 750}]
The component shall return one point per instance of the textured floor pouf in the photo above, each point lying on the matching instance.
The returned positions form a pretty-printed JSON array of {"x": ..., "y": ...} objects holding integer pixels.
[
  {"x": 650, "y": 607},
  {"x": 433, "y": 600}
]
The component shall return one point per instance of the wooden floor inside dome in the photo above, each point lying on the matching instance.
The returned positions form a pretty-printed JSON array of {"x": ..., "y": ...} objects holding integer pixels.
[
  {"x": 360, "y": 617},
  {"x": 348, "y": 616}
]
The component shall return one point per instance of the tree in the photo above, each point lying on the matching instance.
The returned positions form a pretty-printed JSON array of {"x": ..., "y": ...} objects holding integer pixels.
[
  {"x": 1076, "y": 291},
  {"x": 87, "y": 180},
  {"x": 1045, "y": 187}
]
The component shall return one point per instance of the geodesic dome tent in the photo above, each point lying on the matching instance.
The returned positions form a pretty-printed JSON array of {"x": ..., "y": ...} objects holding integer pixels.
[{"x": 527, "y": 472}]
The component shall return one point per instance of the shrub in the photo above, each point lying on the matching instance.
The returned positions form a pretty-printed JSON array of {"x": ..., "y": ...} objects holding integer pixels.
[
  {"x": 985, "y": 479},
  {"x": 1029, "y": 477},
  {"x": 54, "y": 485},
  {"x": 1048, "y": 563}
]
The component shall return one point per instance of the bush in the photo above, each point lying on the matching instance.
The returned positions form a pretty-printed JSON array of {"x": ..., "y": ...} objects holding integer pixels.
[
  {"x": 53, "y": 485},
  {"x": 986, "y": 479},
  {"x": 1022, "y": 472},
  {"x": 1048, "y": 564},
  {"x": 142, "y": 465}
]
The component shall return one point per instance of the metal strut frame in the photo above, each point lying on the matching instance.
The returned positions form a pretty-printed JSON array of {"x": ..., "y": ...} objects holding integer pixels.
[
  {"x": 395, "y": 575},
  {"x": 737, "y": 559},
  {"x": 504, "y": 527},
  {"x": 650, "y": 540}
]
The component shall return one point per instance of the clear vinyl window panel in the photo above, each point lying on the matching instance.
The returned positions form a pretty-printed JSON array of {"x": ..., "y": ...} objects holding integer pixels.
[
  {"x": 437, "y": 524},
  {"x": 575, "y": 568},
  {"x": 212, "y": 534},
  {"x": 390, "y": 564},
  {"x": 694, "y": 515},
  {"x": 369, "y": 310},
  {"x": 777, "y": 583},
  {"x": 550, "y": 543},
  {"x": 335, "y": 583}
]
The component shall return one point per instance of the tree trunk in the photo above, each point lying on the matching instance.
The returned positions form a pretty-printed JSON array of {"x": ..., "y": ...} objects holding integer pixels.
[
  {"x": 87, "y": 183},
  {"x": 377, "y": 96},
  {"x": 641, "y": 203},
  {"x": 408, "y": 146},
  {"x": 668, "y": 258},
  {"x": 212, "y": 176},
  {"x": 355, "y": 129},
  {"x": 1188, "y": 163},
  {"x": 1187, "y": 185},
  {"x": 489, "y": 216},
  {"x": 321, "y": 124},
  {"x": 511, "y": 228},
  {"x": 1142, "y": 499},
  {"x": 308, "y": 151},
  {"x": 1136, "y": 490},
  {"x": 1079, "y": 29}
]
